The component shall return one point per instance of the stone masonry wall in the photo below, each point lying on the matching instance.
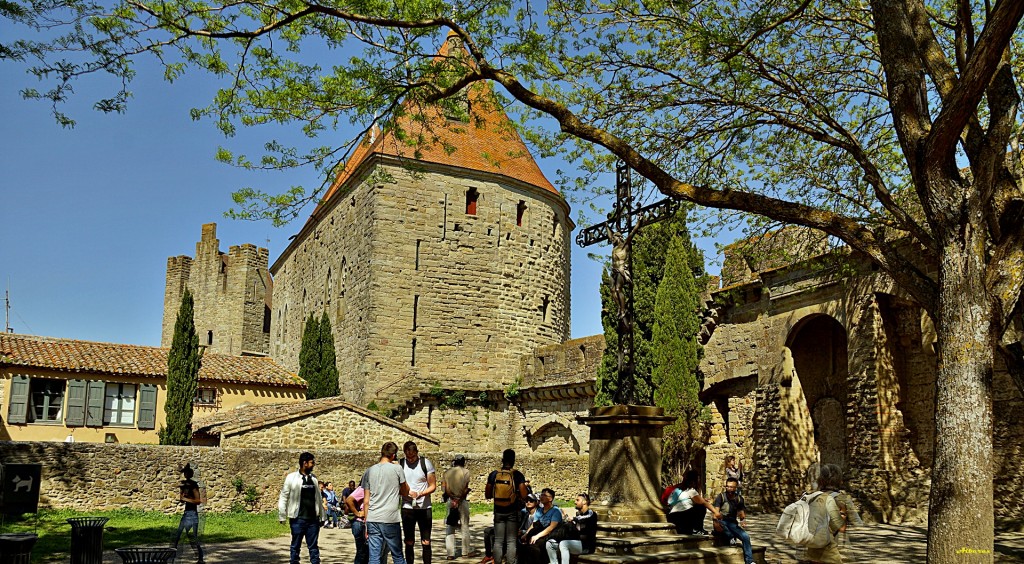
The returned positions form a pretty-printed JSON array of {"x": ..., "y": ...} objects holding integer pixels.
[
  {"x": 451, "y": 295},
  {"x": 330, "y": 269},
  {"x": 339, "y": 428},
  {"x": 101, "y": 476},
  {"x": 887, "y": 395},
  {"x": 556, "y": 385}
]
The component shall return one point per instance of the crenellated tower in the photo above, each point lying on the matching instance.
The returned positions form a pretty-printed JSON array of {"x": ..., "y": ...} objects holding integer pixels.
[{"x": 232, "y": 295}]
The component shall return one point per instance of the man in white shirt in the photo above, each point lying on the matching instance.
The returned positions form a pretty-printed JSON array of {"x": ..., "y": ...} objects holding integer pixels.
[
  {"x": 416, "y": 512},
  {"x": 300, "y": 503}
]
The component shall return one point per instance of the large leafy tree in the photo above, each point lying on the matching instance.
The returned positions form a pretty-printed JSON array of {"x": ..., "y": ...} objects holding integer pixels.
[
  {"x": 183, "y": 363},
  {"x": 891, "y": 126}
]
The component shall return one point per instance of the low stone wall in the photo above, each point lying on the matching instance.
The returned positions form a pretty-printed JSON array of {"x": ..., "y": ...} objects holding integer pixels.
[{"x": 109, "y": 476}]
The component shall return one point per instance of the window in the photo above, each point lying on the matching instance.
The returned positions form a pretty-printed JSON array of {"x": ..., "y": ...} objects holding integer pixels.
[
  {"x": 209, "y": 338},
  {"x": 415, "y": 311},
  {"x": 344, "y": 277},
  {"x": 456, "y": 108},
  {"x": 206, "y": 396},
  {"x": 119, "y": 404},
  {"x": 471, "y": 197},
  {"x": 46, "y": 398},
  {"x": 520, "y": 212}
]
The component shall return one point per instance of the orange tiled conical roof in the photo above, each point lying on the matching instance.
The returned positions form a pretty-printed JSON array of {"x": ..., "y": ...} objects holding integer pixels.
[{"x": 486, "y": 142}]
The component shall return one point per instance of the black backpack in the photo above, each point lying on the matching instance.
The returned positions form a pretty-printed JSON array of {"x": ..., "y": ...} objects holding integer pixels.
[{"x": 423, "y": 465}]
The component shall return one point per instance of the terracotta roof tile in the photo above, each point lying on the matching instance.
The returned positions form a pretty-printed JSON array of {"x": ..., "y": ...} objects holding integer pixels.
[
  {"x": 67, "y": 355},
  {"x": 487, "y": 142}
]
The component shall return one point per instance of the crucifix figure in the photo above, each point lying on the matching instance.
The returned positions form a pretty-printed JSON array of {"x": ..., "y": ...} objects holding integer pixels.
[{"x": 622, "y": 225}]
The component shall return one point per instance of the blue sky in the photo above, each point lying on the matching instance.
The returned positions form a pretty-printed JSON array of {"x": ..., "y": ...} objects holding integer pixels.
[{"x": 88, "y": 216}]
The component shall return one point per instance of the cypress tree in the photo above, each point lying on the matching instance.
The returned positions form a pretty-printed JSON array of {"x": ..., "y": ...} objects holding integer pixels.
[
  {"x": 648, "y": 266},
  {"x": 309, "y": 359},
  {"x": 183, "y": 363},
  {"x": 676, "y": 352},
  {"x": 328, "y": 360}
]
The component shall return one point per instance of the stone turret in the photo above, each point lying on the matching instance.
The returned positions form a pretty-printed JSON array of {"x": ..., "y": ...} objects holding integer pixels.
[{"x": 231, "y": 293}]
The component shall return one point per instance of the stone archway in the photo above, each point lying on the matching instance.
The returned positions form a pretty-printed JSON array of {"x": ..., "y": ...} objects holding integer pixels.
[
  {"x": 830, "y": 431},
  {"x": 819, "y": 349},
  {"x": 552, "y": 434}
]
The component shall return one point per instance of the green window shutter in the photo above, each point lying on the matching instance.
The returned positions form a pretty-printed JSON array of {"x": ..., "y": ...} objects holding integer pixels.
[
  {"x": 94, "y": 405},
  {"x": 18, "y": 404},
  {"x": 75, "y": 414},
  {"x": 147, "y": 406}
]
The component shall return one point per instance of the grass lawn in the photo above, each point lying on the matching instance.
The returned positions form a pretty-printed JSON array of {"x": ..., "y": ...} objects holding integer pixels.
[{"x": 132, "y": 527}]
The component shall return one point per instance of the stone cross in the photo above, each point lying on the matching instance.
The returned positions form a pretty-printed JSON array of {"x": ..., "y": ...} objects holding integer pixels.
[{"x": 623, "y": 223}]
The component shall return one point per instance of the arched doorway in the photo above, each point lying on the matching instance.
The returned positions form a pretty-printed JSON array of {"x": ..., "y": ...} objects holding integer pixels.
[{"x": 819, "y": 348}]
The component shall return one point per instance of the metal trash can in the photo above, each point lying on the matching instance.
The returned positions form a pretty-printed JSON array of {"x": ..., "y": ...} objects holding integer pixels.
[
  {"x": 146, "y": 554},
  {"x": 16, "y": 548},
  {"x": 87, "y": 540}
]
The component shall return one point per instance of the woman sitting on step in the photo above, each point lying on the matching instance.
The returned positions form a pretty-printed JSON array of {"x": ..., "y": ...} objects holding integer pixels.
[{"x": 687, "y": 507}]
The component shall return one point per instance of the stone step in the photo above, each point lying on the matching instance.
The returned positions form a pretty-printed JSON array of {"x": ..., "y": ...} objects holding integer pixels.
[
  {"x": 649, "y": 544},
  {"x": 718, "y": 555},
  {"x": 615, "y": 529}
]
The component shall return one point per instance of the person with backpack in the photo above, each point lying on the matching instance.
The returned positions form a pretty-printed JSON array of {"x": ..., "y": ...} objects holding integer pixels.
[
  {"x": 507, "y": 487},
  {"x": 729, "y": 504},
  {"x": 416, "y": 511},
  {"x": 828, "y": 482}
]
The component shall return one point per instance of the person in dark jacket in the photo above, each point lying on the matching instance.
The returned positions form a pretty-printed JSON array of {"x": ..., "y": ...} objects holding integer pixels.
[{"x": 585, "y": 524}]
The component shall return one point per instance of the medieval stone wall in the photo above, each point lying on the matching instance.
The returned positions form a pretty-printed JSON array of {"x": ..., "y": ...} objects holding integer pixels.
[
  {"x": 330, "y": 269},
  {"x": 535, "y": 413},
  {"x": 431, "y": 293},
  {"x": 229, "y": 293},
  {"x": 100, "y": 476},
  {"x": 836, "y": 369}
]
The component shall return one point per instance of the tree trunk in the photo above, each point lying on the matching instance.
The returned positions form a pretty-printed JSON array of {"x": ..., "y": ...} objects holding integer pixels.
[{"x": 960, "y": 514}]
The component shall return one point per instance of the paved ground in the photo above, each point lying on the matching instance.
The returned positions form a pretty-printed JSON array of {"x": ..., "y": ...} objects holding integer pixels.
[{"x": 874, "y": 543}]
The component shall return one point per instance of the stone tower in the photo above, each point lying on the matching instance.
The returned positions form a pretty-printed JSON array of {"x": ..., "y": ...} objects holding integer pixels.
[
  {"x": 434, "y": 266},
  {"x": 232, "y": 296}
]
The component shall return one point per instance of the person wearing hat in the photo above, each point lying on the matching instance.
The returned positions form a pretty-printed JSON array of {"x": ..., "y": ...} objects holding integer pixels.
[
  {"x": 190, "y": 494},
  {"x": 528, "y": 516},
  {"x": 456, "y": 488}
]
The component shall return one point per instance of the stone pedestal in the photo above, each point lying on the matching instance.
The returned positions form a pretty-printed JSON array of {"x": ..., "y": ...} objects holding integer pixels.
[{"x": 625, "y": 463}]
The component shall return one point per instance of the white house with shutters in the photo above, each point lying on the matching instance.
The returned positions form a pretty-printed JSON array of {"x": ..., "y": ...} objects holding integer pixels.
[{"x": 61, "y": 389}]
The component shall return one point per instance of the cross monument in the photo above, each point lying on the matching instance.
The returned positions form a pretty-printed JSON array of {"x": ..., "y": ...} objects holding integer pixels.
[{"x": 623, "y": 223}]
